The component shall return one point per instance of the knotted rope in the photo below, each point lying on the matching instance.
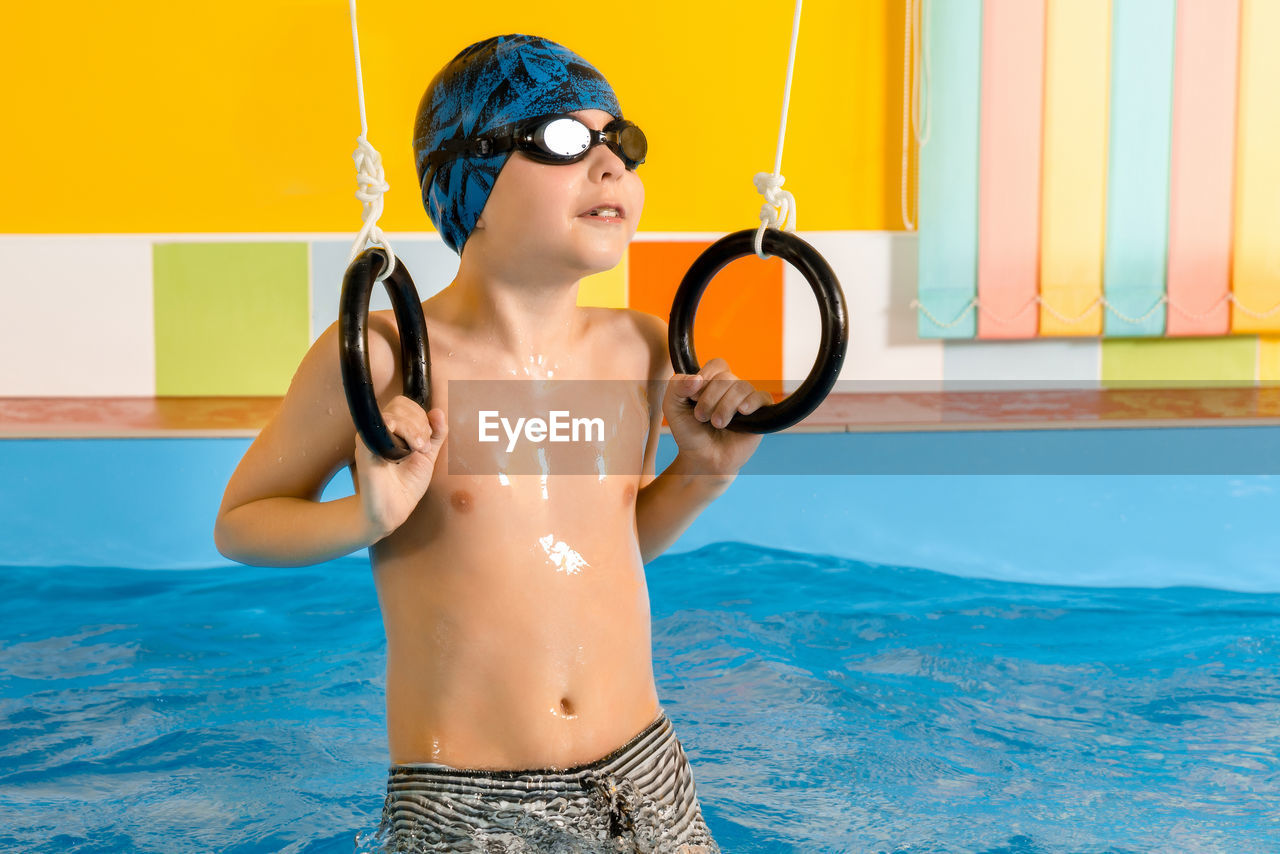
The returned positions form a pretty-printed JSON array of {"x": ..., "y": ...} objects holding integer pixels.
[
  {"x": 370, "y": 180},
  {"x": 779, "y": 209}
]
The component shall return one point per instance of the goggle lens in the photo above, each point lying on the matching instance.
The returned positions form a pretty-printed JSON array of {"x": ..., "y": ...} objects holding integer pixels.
[
  {"x": 634, "y": 144},
  {"x": 563, "y": 137}
]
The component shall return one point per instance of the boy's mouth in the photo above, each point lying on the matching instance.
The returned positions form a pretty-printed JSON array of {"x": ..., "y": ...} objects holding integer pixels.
[{"x": 606, "y": 212}]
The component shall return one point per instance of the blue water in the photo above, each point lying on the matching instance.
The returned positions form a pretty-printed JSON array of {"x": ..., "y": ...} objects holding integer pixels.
[{"x": 826, "y": 705}]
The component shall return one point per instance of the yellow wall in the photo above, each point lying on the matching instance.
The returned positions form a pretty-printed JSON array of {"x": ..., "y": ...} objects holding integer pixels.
[{"x": 241, "y": 116}]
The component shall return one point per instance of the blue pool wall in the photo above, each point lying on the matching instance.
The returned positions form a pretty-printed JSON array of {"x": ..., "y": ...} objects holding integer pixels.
[{"x": 1153, "y": 508}]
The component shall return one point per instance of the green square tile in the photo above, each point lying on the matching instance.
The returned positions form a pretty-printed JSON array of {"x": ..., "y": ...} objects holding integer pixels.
[
  {"x": 1226, "y": 361},
  {"x": 230, "y": 318}
]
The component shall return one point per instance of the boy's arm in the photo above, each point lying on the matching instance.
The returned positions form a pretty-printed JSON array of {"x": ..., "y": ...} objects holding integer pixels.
[
  {"x": 271, "y": 514},
  {"x": 667, "y": 504}
]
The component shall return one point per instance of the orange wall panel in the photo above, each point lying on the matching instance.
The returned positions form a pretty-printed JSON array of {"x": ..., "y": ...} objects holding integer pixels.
[{"x": 739, "y": 318}]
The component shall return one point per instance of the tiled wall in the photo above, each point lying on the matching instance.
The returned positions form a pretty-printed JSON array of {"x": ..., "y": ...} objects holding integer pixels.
[{"x": 141, "y": 315}]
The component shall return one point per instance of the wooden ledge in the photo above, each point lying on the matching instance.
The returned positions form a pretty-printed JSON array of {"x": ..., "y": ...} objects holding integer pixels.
[
  {"x": 133, "y": 417},
  {"x": 864, "y": 412}
]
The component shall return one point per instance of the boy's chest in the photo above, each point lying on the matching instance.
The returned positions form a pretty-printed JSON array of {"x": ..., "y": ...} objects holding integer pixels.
[
  {"x": 529, "y": 471},
  {"x": 540, "y": 438},
  {"x": 552, "y": 427}
]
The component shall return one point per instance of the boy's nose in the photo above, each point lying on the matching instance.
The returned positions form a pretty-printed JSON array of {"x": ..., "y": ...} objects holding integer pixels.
[{"x": 604, "y": 164}]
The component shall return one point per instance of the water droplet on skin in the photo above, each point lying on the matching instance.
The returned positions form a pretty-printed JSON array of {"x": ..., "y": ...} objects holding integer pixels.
[
  {"x": 330, "y": 410},
  {"x": 279, "y": 459},
  {"x": 450, "y": 352},
  {"x": 562, "y": 556}
]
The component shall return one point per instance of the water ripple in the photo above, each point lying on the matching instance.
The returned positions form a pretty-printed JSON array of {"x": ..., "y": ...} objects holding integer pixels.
[{"x": 826, "y": 705}]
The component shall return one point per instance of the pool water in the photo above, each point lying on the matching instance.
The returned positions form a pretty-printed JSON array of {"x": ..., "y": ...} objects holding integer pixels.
[{"x": 825, "y": 704}]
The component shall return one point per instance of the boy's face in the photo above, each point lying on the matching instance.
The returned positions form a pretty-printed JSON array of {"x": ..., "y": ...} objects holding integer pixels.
[{"x": 536, "y": 213}]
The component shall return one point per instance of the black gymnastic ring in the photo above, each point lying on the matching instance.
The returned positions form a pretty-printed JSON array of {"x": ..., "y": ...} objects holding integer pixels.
[
  {"x": 353, "y": 346},
  {"x": 835, "y": 322}
]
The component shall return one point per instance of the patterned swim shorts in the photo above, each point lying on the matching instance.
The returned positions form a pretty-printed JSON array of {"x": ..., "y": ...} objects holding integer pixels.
[{"x": 638, "y": 798}]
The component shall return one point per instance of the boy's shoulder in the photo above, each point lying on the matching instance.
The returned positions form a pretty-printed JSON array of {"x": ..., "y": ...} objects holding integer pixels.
[
  {"x": 648, "y": 326},
  {"x": 632, "y": 327},
  {"x": 320, "y": 371}
]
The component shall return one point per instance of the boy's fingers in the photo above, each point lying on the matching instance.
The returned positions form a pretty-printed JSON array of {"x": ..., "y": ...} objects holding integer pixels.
[
  {"x": 393, "y": 427},
  {"x": 429, "y": 428},
  {"x": 686, "y": 386},
  {"x": 731, "y": 403},
  {"x": 712, "y": 401},
  {"x": 718, "y": 398},
  {"x": 403, "y": 407},
  {"x": 714, "y": 367},
  {"x": 707, "y": 386},
  {"x": 754, "y": 401},
  {"x": 438, "y": 426},
  {"x": 418, "y": 426}
]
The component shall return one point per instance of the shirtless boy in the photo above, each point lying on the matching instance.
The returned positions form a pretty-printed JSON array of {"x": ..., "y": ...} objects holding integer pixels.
[{"x": 521, "y": 701}]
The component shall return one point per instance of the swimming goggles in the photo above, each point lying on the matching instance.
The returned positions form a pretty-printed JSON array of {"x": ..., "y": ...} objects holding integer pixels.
[{"x": 557, "y": 139}]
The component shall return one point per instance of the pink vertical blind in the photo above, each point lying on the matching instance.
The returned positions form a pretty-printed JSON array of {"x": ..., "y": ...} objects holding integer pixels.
[
  {"x": 1009, "y": 168},
  {"x": 1202, "y": 163}
]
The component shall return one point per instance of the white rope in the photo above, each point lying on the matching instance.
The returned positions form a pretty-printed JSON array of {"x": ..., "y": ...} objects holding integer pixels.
[
  {"x": 369, "y": 176},
  {"x": 913, "y": 123},
  {"x": 920, "y": 307},
  {"x": 1226, "y": 297},
  {"x": 920, "y": 94},
  {"x": 779, "y": 209},
  {"x": 1251, "y": 312},
  {"x": 1100, "y": 301}
]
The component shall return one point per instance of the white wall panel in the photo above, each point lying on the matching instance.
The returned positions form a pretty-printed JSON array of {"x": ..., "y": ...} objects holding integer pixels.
[{"x": 77, "y": 316}]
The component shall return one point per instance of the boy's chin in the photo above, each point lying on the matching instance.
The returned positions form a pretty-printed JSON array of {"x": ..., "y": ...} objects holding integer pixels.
[
  {"x": 592, "y": 263},
  {"x": 601, "y": 251}
]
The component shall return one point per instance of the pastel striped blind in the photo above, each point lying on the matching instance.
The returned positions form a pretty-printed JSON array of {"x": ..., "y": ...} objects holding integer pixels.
[
  {"x": 1202, "y": 167},
  {"x": 1256, "y": 249},
  {"x": 948, "y": 253},
  {"x": 1073, "y": 197},
  {"x": 1137, "y": 241},
  {"x": 1009, "y": 168},
  {"x": 1100, "y": 168}
]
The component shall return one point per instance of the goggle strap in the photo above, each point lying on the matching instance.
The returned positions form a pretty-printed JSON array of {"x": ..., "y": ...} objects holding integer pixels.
[{"x": 500, "y": 142}]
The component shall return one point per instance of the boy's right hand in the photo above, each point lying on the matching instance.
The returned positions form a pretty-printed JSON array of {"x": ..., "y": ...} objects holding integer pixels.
[{"x": 390, "y": 490}]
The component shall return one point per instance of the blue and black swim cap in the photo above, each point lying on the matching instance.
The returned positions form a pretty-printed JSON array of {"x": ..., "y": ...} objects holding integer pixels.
[{"x": 491, "y": 84}]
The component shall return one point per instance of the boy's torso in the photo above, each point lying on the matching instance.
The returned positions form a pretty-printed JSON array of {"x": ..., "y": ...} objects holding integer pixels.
[{"x": 514, "y": 597}]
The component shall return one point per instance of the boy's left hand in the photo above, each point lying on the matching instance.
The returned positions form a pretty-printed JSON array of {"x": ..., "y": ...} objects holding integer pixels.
[{"x": 699, "y": 407}]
